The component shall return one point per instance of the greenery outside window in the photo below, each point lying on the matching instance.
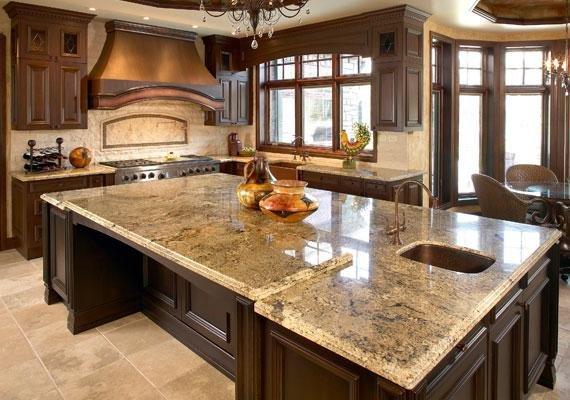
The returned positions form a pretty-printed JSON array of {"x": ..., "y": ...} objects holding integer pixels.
[{"x": 313, "y": 97}]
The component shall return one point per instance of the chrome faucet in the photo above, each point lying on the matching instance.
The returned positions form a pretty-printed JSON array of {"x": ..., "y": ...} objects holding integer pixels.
[
  {"x": 395, "y": 230},
  {"x": 304, "y": 156}
]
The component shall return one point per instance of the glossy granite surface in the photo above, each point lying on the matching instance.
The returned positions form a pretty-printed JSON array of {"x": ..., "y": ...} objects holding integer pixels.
[
  {"x": 368, "y": 173},
  {"x": 71, "y": 172},
  {"x": 199, "y": 224},
  {"x": 396, "y": 317}
]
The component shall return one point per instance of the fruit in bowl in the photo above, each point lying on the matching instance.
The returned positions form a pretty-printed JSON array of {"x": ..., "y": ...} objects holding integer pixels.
[
  {"x": 80, "y": 157},
  {"x": 247, "y": 152}
]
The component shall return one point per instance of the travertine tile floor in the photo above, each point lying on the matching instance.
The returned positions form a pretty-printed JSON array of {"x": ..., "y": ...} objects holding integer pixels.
[{"x": 131, "y": 358}]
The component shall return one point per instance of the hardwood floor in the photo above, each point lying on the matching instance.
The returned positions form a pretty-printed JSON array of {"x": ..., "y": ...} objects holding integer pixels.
[{"x": 131, "y": 358}]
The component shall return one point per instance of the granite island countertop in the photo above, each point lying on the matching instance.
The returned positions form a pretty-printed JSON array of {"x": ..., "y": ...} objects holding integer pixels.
[
  {"x": 94, "y": 169},
  {"x": 199, "y": 224},
  {"x": 335, "y": 279}
]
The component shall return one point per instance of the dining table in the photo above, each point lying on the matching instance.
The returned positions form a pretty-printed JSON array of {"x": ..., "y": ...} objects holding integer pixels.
[{"x": 555, "y": 196}]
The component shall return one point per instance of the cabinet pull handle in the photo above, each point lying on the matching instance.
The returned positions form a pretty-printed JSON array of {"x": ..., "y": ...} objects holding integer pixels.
[{"x": 462, "y": 347}]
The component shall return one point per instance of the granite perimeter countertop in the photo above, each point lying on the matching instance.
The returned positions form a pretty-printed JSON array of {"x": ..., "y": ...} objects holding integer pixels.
[
  {"x": 335, "y": 279},
  {"x": 368, "y": 173},
  {"x": 94, "y": 169},
  {"x": 361, "y": 171}
]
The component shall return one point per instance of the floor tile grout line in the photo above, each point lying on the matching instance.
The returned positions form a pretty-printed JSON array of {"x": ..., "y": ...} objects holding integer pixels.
[
  {"x": 133, "y": 365},
  {"x": 51, "y": 378},
  {"x": 119, "y": 327}
]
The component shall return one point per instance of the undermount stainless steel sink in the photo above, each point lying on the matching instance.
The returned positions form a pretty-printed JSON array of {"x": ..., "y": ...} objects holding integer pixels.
[{"x": 447, "y": 257}]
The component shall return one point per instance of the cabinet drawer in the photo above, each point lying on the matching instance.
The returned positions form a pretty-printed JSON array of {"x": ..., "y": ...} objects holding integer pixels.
[
  {"x": 351, "y": 186},
  {"x": 463, "y": 372},
  {"x": 376, "y": 190},
  {"x": 96, "y": 181},
  {"x": 59, "y": 185}
]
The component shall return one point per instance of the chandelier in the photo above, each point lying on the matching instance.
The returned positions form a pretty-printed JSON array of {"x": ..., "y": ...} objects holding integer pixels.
[
  {"x": 256, "y": 18},
  {"x": 557, "y": 70}
]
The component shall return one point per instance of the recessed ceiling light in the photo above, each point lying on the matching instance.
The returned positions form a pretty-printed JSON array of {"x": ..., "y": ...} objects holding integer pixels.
[
  {"x": 146, "y": 18},
  {"x": 92, "y": 9},
  {"x": 194, "y": 26}
]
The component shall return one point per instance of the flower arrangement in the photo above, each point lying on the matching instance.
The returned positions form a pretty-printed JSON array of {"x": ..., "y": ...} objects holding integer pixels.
[{"x": 352, "y": 147}]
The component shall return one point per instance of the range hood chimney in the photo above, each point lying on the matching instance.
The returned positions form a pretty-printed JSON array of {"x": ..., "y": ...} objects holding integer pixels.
[{"x": 143, "y": 62}]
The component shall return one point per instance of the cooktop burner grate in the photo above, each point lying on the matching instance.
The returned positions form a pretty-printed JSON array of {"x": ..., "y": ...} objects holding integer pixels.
[{"x": 129, "y": 163}]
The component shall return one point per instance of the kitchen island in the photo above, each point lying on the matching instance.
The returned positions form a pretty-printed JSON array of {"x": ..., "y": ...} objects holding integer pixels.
[{"x": 323, "y": 309}]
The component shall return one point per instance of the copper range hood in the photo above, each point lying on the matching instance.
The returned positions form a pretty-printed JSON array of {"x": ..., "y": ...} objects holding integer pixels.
[{"x": 143, "y": 62}]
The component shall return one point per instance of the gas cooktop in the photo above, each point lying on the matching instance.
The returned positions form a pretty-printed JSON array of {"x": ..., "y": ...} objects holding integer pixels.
[{"x": 140, "y": 162}]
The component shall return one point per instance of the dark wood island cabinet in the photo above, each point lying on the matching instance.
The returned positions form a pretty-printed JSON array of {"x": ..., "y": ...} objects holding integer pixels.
[{"x": 289, "y": 333}]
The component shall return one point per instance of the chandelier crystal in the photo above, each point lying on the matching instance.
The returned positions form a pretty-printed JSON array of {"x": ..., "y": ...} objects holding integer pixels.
[
  {"x": 255, "y": 18},
  {"x": 555, "y": 69}
]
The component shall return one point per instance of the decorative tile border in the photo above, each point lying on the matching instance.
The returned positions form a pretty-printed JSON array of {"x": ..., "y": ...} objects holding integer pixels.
[{"x": 139, "y": 130}]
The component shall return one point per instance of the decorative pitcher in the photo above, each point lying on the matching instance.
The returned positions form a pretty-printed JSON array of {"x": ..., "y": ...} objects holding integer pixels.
[{"x": 258, "y": 182}]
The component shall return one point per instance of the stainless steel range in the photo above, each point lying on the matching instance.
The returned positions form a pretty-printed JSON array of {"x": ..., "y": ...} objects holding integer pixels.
[{"x": 142, "y": 170}]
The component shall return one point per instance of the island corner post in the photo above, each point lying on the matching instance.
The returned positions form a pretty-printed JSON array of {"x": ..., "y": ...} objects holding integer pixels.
[{"x": 102, "y": 275}]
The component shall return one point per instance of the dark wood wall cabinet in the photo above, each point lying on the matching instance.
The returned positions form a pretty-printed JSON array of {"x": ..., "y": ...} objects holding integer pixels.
[
  {"x": 27, "y": 207},
  {"x": 222, "y": 60},
  {"x": 509, "y": 351},
  {"x": 49, "y": 67}
]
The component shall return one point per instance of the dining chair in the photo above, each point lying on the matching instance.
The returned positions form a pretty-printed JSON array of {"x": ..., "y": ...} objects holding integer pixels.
[
  {"x": 498, "y": 202},
  {"x": 530, "y": 173}
]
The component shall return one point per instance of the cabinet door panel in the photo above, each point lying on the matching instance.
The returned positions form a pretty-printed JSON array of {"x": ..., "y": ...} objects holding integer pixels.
[
  {"x": 35, "y": 41},
  {"x": 210, "y": 311},
  {"x": 72, "y": 44},
  {"x": 414, "y": 98},
  {"x": 70, "y": 110},
  {"x": 37, "y": 78},
  {"x": 161, "y": 285},
  {"x": 388, "y": 98},
  {"x": 226, "y": 114},
  {"x": 536, "y": 324},
  {"x": 58, "y": 251},
  {"x": 242, "y": 102}
]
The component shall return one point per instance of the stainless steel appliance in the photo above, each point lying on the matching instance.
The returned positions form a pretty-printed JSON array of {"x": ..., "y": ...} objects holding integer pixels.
[{"x": 142, "y": 170}]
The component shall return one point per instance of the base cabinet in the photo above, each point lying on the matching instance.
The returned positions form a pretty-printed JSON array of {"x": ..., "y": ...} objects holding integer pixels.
[
  {"x": 380, "y": 190},
  {"x": 501, "y": 358},
  {"x": 199, "y": 313},
  {"x": 27, "y": 207}
]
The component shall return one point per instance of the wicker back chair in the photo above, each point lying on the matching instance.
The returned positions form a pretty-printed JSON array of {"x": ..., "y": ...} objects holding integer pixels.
[
  {"x": 530, "y": 173},
  {"x": 496, "y": 201}
]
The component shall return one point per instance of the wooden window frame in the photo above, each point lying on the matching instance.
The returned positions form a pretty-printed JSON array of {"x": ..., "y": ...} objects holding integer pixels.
[
  {"x": 264, "y": 85},
  {"x": 482, "y": 90}
]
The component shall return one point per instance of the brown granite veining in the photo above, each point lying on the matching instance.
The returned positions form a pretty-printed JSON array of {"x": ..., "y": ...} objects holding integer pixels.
[
  {"x": 94, "y": 169},
  {"x": 393, "y": 316}
]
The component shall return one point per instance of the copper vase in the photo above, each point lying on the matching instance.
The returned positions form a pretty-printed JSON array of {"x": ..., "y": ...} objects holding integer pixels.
[{"x": 258, "y": 183}]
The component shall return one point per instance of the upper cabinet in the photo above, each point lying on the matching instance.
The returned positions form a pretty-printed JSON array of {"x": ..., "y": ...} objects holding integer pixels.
[
  {"x": 398, "y": 67},
  {"x": 49, "y": 67},
  {"x": 222, "y": 60}
]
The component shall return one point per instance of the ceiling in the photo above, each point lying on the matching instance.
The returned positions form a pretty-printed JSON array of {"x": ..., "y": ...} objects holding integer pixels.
[
  {"x": 453, "y": 13},
  {"x": 523, "y": 11}
]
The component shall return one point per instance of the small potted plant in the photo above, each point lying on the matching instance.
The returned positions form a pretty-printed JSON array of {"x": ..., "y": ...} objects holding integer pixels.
[{"x": 352, "y": 147}]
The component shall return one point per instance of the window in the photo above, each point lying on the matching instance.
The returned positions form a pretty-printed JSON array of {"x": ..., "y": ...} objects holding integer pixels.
[
  {"x": 314, "y": 96},
  {"x": 524, "y": 67},
  {"x": 470, "y": 132},
  {"x": 283, "y": 68},
  {"x": 355, "y": 65},
  {"x": 470, "y": 66},
  {"x": 355, "y": 107},
  {"x": 317, "y": 66},
  {"x": 525, "y": 106},
  {"x": 469, "y": 157},
  {"x": 282, "y": 125}
]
